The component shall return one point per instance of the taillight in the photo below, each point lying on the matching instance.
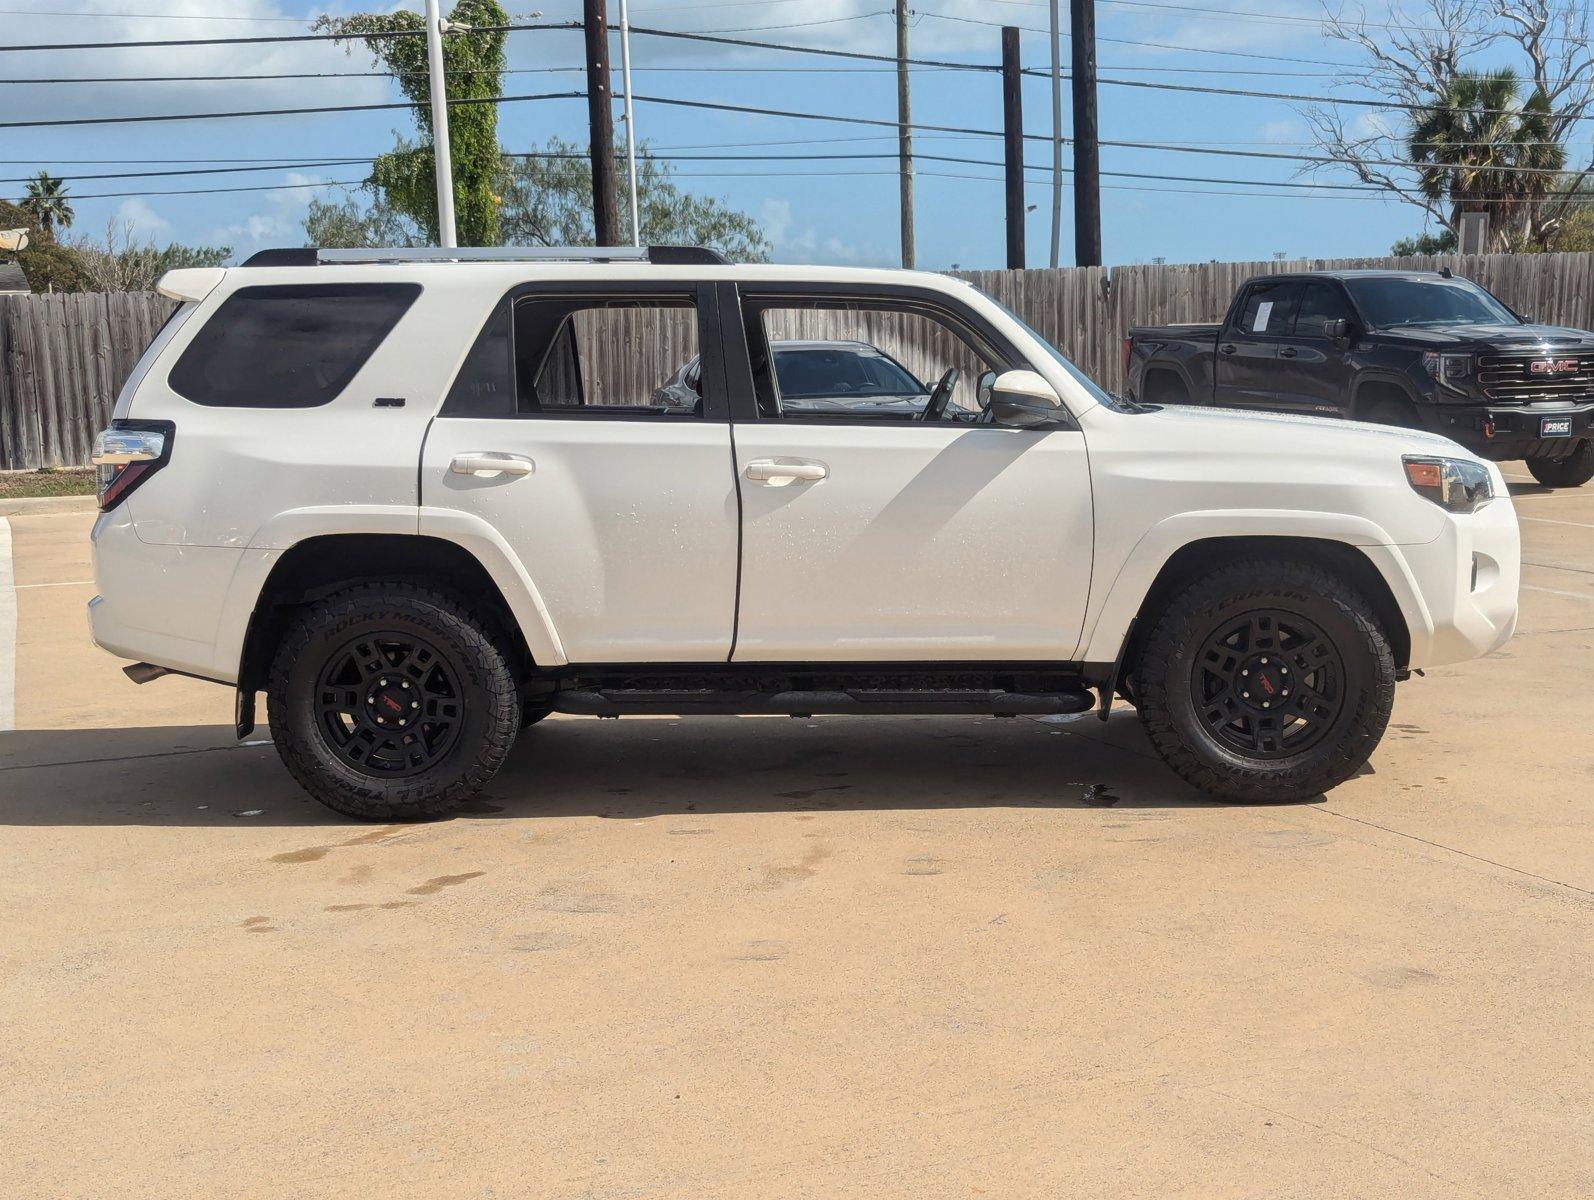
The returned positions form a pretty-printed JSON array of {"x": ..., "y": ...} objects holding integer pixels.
[
  {"x": 126, "y": 454},
  {"x": 1127, "y": 344}
]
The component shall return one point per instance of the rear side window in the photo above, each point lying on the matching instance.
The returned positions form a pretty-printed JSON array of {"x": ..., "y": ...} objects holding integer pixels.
[
  {"x": 1270, "y": 309},
  {"x": 294, "y": 346}
]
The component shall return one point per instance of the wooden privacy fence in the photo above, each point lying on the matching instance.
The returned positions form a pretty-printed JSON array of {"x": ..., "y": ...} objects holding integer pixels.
[
  {"x": 62, "y": 361},
  {"x": 63, "y": 358}
]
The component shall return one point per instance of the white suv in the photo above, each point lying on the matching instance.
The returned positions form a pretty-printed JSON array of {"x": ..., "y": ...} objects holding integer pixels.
[{"x": 424, "y": 499}]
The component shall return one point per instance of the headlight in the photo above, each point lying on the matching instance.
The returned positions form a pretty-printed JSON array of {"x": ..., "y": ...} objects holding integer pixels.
[
  {"x": 1448, "y": 369},
  {"x": 1454, "y": 484}
]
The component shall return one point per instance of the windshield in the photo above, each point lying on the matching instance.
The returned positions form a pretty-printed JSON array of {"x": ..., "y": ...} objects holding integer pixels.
[
  {"x": 825, "y": 371},
  {"x": 1397, "y": 303},
  {"x": 1097, "y": 393}
]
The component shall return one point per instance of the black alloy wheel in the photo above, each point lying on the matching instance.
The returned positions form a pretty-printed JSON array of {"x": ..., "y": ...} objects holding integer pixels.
[
  {"x": 1268, "y": 684},
  {"x": 388, "y": 705}
]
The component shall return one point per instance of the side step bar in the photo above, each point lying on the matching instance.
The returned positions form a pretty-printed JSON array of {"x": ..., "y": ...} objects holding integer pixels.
[{"x": 615, "y": 702}]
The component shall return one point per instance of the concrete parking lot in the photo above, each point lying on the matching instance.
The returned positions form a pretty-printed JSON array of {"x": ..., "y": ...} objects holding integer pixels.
[{"x": 830, "y": 958}]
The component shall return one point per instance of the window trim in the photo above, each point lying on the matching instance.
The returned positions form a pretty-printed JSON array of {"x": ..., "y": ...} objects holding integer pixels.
[
  {"x": 1235, "y": 330},
  {"x": 742, "y": 300},
  {"x": 1333, "y": 285},
  {"x": 412, "y": 289},
  {"x": 704, "y": 304}
]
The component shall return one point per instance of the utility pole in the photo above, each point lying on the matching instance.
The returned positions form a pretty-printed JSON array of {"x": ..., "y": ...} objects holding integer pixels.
[
  {"x": 1057, "y": 134},
  {"x": 1013, "y": 144},
  {"x": 630, "y": 120},
  {"x": 600, "y": 117},
  {"x": 1087, "y": 155},
  {"x": 904, "y": 135},
  {"x": 442, "y": 157}
]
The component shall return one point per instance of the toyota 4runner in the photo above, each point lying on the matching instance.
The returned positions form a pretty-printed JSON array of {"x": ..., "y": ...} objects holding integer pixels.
[{"x": 424, "y": 499}]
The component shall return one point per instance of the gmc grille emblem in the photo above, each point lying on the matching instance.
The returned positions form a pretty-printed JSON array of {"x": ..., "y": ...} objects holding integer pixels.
[{"x": 1552, "y": 366}]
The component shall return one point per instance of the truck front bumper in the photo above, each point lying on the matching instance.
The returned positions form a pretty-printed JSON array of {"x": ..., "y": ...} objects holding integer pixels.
[{"x": 1507, "y": 431}]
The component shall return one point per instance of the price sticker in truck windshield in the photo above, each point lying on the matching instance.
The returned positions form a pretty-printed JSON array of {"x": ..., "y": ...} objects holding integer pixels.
[{"x": 1263, "y": 312}]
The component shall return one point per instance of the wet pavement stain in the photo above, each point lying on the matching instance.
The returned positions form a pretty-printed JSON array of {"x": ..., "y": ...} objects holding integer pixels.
[
  {"x": 345, "y": 907},
  {"x": 806, "y": 868},
  {"x": 809, "y": 793},
  {"x": 315, "y": 853},
  {"x": 432, "y": 886},
  {"x": 924, "y": 864},
  {"x": 258, "y": 925},
  {"x": 761, "y": 950}
]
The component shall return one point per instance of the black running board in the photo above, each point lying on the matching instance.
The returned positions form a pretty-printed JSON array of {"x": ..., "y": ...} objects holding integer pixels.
[{"x": 615, "y": 702}]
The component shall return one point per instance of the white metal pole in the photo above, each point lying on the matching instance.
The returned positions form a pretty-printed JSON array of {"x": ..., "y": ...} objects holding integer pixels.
[
  {"x": 1057, "y": 135},
  {"x": 440, "y": 143},
  {"x": 630, "y": 118}
]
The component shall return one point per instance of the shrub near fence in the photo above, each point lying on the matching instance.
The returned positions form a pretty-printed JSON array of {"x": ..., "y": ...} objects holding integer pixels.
[{"x": 63, "y": 358}]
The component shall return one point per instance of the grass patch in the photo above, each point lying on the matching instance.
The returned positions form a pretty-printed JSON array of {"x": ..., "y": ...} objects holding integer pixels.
[{"x": 18, "y": 485}]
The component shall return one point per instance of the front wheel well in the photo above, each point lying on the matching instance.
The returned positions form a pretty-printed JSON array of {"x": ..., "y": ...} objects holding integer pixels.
[
  {"x": 319, "y": 566},
  {"x": 1192, "y": 561}
]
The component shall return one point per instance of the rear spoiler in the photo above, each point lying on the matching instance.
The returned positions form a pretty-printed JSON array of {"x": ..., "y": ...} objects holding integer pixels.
[{"x": 190, "y": 283}]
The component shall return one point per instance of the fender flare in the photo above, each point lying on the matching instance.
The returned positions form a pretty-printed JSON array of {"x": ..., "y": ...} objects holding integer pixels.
[
  {"x": 1391, "y": 379},
  {"x": 1110, "y": 615},
  {"x": 471, "y": 534}
]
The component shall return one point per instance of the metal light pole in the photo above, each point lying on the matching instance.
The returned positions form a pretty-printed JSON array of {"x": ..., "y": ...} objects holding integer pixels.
[
  {"x": 1057, "y": 134},
  {"x": 440, "y": 144},
  {"x": 630, "y": 119}
]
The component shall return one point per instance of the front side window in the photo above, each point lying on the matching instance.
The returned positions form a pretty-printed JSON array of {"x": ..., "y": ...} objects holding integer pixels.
[
  {"x": 865, "y": 360},
  {"x": 1321, "y": 304},
  {"x": 291, "y": 346}
]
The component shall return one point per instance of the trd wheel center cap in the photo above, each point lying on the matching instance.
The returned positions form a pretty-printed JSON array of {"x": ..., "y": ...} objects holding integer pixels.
[
  {"x": 1263, "y": 682},
  {"x": 393, "y": 703}
]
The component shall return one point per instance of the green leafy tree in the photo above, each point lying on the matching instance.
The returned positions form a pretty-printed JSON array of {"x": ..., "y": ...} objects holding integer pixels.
[
  {"x": 547, "y": 197},
  {"x": 1482, "y": 150},
  {"x": 1443, "y": 242},
  {"x": 123, "y": 264},
  {"x": 346, "y": 223},
  {"x": 473, "y": 61},
  {"x": 49, "y": 266},
  {"x": 47, "y": 204}
]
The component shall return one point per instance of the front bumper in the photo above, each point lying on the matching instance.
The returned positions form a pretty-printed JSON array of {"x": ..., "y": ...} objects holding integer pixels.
[
  {"x": 1507, "y": 431},
  {"x": 1462, "y": 585}
]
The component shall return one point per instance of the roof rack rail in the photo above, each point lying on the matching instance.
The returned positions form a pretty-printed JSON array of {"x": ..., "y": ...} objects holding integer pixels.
[{"x": 309, "y": 256}]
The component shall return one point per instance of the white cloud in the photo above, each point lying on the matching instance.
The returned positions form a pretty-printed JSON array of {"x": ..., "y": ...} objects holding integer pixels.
[
  {"x": 280, "y": 223},
  {"x": 143, "y": 222}
]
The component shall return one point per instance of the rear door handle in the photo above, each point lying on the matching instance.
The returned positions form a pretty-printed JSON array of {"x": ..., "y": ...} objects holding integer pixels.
[
  {"x": 778, "y": 472},
  {"x": 489, "y": 464},
  {"x": 1287, "y": 351},
  {"x": 1227, "y": 348}
]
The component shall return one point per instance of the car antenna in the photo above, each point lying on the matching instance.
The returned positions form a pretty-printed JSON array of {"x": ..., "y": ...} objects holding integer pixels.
[{"x": 1444, "y": 273}]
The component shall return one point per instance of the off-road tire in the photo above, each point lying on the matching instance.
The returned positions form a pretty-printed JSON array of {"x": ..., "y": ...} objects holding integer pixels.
[
  {"x": 1390, "y": 411},
  {"x": 464, "y": 643},
  {"x": 1167, "y": 665},
  {"x": 1573, "y": 470}
]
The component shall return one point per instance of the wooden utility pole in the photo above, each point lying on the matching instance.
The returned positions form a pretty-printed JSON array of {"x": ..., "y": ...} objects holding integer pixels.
[
  {"x": 600, "y": 116},
  {"x": 1013, "y": 144},
  {"x": 904, "y": 135},
  {"x": 1087, "y": 158}
]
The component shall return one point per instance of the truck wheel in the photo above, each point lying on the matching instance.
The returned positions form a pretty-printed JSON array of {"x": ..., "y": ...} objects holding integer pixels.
[
  {"x": 1574, "y": 470},
  {"x": 1266, "y": 680},
  {"x": 390, "y": 701},
  {"x": 1164, "y": 387},
  {"x": 1391, "y": 412}
]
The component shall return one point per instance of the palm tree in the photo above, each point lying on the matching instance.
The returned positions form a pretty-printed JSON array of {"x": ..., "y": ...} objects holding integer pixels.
[
  {"x": 1488, "y": 152},
  {"x": 48, "y": 205}
]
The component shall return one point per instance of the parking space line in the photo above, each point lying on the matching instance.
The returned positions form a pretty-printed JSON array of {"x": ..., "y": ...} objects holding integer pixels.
[
  {"x": 8, "y": 632},
  {"x": 1552, "y": 521},
  {"x": 1528, "y": 587},
  {"x": 22, "y": 587}
]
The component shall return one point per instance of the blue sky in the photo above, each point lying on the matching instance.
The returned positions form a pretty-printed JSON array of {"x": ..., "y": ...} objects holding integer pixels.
[{"x": 841, "y": 212}]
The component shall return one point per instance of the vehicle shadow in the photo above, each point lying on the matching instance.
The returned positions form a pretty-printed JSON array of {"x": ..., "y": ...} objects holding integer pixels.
[{"x": 620, "y": 770}]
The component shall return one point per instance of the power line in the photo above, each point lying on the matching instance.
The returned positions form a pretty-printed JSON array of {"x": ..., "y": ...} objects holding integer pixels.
[
  {"x": 143, "y": 16},
  {"x": 280, "y": 112}
]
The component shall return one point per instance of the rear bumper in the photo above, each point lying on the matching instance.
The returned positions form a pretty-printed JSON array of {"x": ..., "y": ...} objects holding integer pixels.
[{"x": 1507, "y": 431}]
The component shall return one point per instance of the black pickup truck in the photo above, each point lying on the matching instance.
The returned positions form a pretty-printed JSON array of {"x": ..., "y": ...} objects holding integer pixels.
[{"x": 1418, "y": 349}]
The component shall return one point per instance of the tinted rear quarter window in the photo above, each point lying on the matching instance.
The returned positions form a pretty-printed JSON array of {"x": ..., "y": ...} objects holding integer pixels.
[
  {"x": 289, "y": 346},
  {"x": 1270, "y": 309}
]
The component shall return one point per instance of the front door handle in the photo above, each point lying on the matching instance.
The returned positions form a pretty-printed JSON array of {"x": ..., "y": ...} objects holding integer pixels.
[
  {"x": 1227, "y": 348},
  {"x": 1287, "y": 352},
  {"x": 778, "y": 472},
  {"x": 490, "y": 464}
]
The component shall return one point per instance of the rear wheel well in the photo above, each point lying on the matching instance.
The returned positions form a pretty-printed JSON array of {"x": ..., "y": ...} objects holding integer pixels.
[
  {"x": 1164, "y": 386},
  {"x": 1190, "y": 562},
  {"x": 319, "y": 566}
]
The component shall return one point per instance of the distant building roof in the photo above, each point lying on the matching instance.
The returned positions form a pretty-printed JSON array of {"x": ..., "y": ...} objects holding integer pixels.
[{"x": 12, "y": 279}]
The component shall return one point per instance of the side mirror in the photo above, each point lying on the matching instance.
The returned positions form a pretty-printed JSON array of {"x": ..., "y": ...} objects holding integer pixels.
[
  {"x": 1024, "y": 400},
  {"x": 1336, "y": 329}
]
